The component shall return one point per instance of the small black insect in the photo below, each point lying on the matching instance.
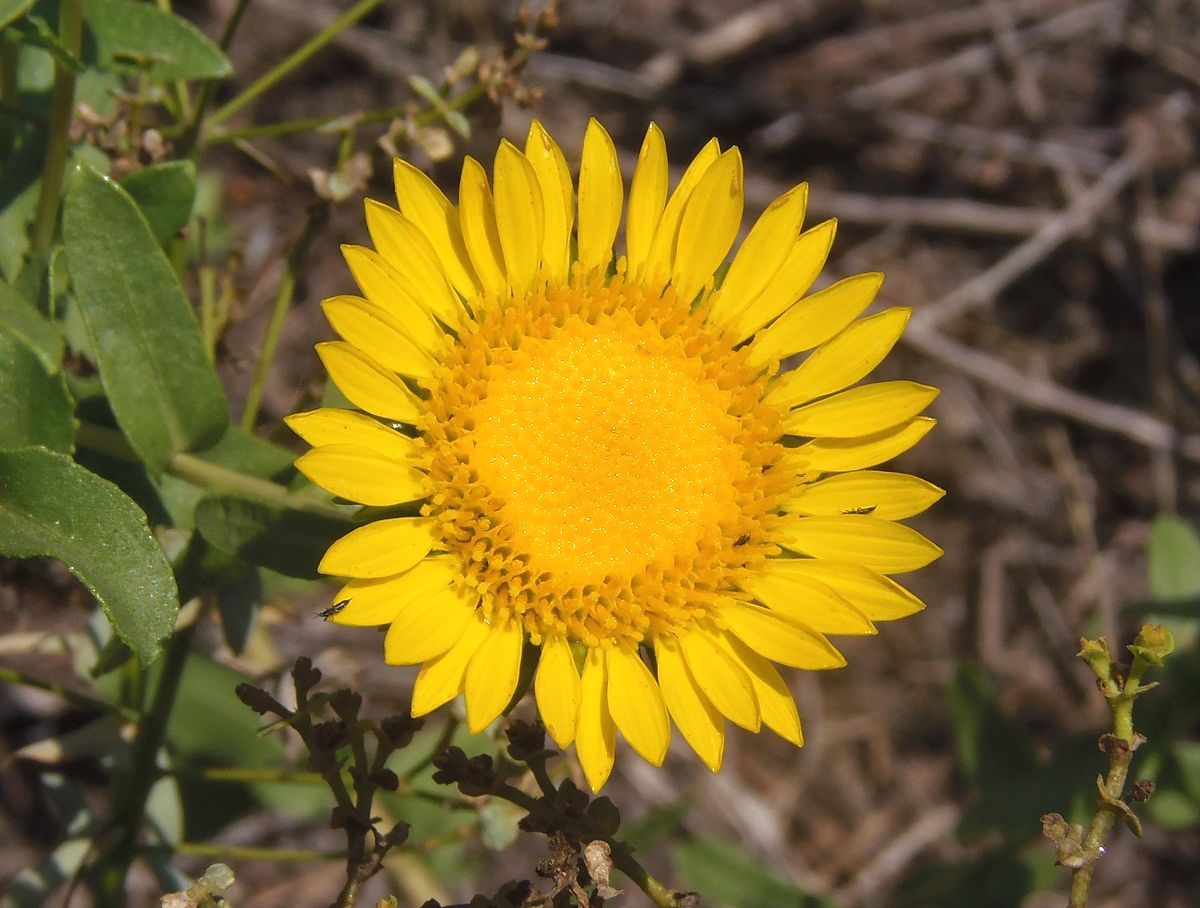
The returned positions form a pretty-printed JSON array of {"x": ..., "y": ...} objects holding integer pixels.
[
  {"x": 866, "y": 510},
  {"x": 742, "y": 540},
  {"x": 333, "y": 609}
]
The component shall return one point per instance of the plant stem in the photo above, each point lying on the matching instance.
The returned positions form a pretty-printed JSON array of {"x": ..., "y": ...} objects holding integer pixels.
[
  {"x": 206, "y": 474},
  {"x": 1120, "y": 700},
  {"x": 62, "y": 109},
  {"x": 297, "y": 58},
  {"x": 12, "y": 676},
  {"x": 250, "y": 853},
  {"x": 462, "y": 100},
  {"x": 129, "y": 805},
  {"x": 659, "y": 894},
  {"x": 187, "y": 145},
  {"x": 283, "y": 301}
]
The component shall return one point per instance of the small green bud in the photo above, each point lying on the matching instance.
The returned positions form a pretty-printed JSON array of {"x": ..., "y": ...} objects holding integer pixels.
[
  {"x": 1096, "y": 654},
  {"x": 1153, "y": 644}
]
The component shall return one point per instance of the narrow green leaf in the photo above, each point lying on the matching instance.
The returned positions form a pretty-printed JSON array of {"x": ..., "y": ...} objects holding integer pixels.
[
  {"x": 160, "y": 384},
  {"x": 289, "y": 542},
  {"x": 51, "y": 506},
  {"x": 11, "y": 10},
  {"x": 127, "y": 36},
  {"x": 35, "y": 407},
  {"x": 21, "y": 320},
  {"x": 165, "y": 193},
  {"x": 1174, "y": 559}
]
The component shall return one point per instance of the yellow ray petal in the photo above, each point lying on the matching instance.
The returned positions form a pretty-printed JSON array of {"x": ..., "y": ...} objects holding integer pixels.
[
  {"x": 440, "y": 680},
  {"x": 662, "y": 248},
  {"x": 722, "y": 680},
  {"x": 367, "y": 603},
  {"x": 477, "y": 212},
  {"x": 780, "y": 638},
  {"x": 391, "y": 292},
  {"x": 805, "y": 600},
  {"x": 860, "y": 411},
  {"x": 601, "y": 194},
  {"x": 557, "y": 688},
  {"x": 404, "y": 247},
  {"x": 637, "y": 705},
  {"x": 647, "y": 197},
  {"x": 381, "y": 548},
  {"x": 699, "y": 722},
  {"x": 595, "y": 733},
  {"x": 841, "y": 362},
  {"x": 388, "y": 289},
  {"x": 830, "y": 455},
  {"x": 335, "y": 426},
  {"x": 429, "y": 625},
  {"x": 520, "y": 216},
  {"x": 425, "y": 205},
  {"x": 891, "y": 496},
  {"x": 378, "y": 334},
  {"x": 775, "y": 700},
  {"x": 492, "y": 674},
  {"x": 879, "y": 598},
  {"x": 890, "y": 548},
  {"x": 558, "y": 200},
  {"x": 709, "y": 225},
  {"x": 362, "y": 475},
  {"x": 815, "y": 319},
  {"x": 804, "y": 262},
  {"x": 367, "y": 384},
  {"x": 760, "y": 257}
]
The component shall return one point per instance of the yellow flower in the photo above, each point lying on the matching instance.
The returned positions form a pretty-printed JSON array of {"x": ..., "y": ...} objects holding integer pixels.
[{"x": 597, "y": 464}]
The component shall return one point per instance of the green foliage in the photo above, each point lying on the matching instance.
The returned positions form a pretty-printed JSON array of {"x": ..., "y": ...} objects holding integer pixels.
[
  {"x": 165, "y": 194},
  {"x": 1174, "y": 560},
  {"x": 287, "y": 541},
  {"x": 161, "y": 387},
  {"x": 35, "y": 406},
  {"x": 729, "y": 876},
  {"x": 125, "y": 36},
  {"x": 22, "y": 321},
  {"x": 51, "y": 506}
]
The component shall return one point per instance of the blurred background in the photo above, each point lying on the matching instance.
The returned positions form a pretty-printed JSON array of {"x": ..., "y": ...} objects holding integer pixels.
[{"x": 1025, "y": 173}]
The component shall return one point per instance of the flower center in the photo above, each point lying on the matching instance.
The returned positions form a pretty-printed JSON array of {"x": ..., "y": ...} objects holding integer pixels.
[
  {"x": 609, "y": 453},
  {"x": 601, "y": 461}
]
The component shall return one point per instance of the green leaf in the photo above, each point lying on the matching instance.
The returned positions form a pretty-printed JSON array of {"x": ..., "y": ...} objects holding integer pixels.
[
  {"x": 11, "y": 10},
  {"x": 286, "y": 541},
  {"x": 35, "y": 408},
  {"x": 1174, "y": 559},
  {"x": 160, "y": 384},
  {"x": 131, "y": 37},
  {"x": 20, "y": 320},
  {"x": 165, "y": 193},
  {"x": 51, "y": 506},
  {"x": 726, "y": 875}
]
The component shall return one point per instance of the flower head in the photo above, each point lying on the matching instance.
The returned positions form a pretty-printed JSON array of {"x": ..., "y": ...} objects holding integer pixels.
[{"x": 597, "y": 464}]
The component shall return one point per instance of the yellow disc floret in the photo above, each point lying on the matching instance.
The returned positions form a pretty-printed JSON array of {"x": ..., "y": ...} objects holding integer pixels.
[{"x": 600, "y": 460}]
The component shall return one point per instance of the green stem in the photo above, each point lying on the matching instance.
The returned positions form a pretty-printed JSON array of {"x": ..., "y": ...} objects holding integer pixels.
[
  {"x": 294, "y": 60},
  {"x": 129, "y": 805},
  {"x": 250, "y": 853},
  {"x": 12, "y": 676},
  {"x": 10, "y": 89},
  {"x": 187, "y": 144},
  {"x": 279, "y": 311},
  {"x": 660, "y": 895},
  {"x": 462, "y": 100},
  {"x": 204, "y": 473},
  {"x": 62, "y": 108},
  {"x": 1107, "y": 809}
]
